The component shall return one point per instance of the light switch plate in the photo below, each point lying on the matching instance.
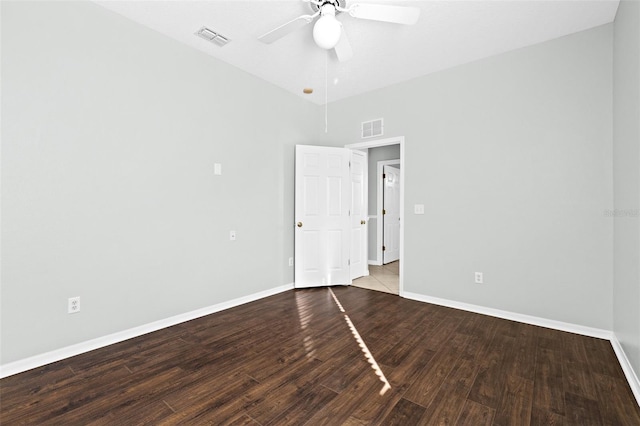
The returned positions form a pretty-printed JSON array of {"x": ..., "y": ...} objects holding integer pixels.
[
  {"x": 418, "y": 209},
  {"x": 217, "y": 169}
]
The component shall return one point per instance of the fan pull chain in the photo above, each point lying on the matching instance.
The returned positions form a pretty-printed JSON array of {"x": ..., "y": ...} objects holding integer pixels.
[{"x": 326, "y": 90}]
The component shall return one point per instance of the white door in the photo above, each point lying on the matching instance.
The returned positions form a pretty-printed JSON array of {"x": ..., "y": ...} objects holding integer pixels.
[
  {"x": 322, "y": 229},
  {"x": 391, "y": 214},
  {"x": 359, "y": 207}
]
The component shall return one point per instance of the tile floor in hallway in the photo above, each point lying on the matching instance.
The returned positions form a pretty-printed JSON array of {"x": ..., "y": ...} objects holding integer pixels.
[{"x": 385, "y": 278}]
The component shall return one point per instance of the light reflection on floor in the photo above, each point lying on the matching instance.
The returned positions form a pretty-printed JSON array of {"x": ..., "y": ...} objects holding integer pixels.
[
  {"x": 305, "y": 315},
  {"x": 363, "y": 347}
]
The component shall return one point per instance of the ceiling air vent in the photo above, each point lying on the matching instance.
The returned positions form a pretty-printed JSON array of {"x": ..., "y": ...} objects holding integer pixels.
[
  {"x": 372, "y": 128},
  {"x": 212, "y": 36}
]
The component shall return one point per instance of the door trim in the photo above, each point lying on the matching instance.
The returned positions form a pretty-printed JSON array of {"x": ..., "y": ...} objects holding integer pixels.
[{"x": 397, "y": 140}]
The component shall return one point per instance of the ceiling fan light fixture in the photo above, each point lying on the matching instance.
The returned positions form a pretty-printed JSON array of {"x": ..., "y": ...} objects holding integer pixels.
[{"x": 327, "y": 29}]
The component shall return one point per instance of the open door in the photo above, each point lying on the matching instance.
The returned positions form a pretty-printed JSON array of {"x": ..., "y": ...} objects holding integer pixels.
[
  {"x": 391, "y": 214},
  {"x": 322, "y": 229},
  {"x": 359, "y": 256}
]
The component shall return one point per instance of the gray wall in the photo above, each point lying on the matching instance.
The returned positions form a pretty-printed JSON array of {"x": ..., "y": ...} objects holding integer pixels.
[
  {"x": 626, "y": 163},
  {"x": 512, "y": 158},
  {"x": 109, "y": 136},
  {"x": 389, "y": 152},
  {"x": 110, "y": 132}
]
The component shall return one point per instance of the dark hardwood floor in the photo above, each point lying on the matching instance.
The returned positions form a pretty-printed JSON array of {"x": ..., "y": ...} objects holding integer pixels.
[{"x": 293, "y": 359}]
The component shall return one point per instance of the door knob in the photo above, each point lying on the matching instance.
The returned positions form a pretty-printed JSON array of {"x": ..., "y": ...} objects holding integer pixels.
[
  {"x": 362, "y": 222},
  {"x": 299, "y": 224}
]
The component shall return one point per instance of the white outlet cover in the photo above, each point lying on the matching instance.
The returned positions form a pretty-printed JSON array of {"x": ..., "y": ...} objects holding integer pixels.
[
  {"x": 232, "y": 235},
  {"x": 217, "y": 169},
  {"x": 418, "y": 209},
  {"x": 74, "y": 305}
]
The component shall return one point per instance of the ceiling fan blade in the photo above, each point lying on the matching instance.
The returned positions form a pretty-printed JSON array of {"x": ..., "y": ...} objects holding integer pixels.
[
  {"x": 379, "y": 12},
  {"x": 287, "y": 28},
  {"x": 343, "y": 48}
]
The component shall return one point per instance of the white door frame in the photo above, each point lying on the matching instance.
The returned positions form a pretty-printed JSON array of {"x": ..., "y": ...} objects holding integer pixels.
[{"x": 398, "y": 140}]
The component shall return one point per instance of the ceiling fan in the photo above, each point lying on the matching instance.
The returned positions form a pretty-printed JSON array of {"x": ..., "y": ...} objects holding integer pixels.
[{"x": 327, "y": 31}]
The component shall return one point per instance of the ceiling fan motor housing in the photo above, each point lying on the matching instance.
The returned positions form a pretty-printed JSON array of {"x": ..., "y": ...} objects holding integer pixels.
[{"x": 316, "y": 6}]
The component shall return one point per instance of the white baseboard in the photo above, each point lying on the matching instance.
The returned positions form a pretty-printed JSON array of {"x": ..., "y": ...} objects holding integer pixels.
[
  {"x": 629, "y": 373},
  {"x": 79, "y": 348},
  {"x": 56, "y": 355},
  {"x": 513, "y": 316}
]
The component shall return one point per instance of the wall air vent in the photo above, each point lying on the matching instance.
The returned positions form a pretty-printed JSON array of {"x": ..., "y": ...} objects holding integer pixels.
[
  {"x": 212, "y": 36},
  {"x": 372, "y": 128}
]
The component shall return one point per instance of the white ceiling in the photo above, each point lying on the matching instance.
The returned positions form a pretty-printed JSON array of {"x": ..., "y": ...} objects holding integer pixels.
[{"x": 448, "y": 33}]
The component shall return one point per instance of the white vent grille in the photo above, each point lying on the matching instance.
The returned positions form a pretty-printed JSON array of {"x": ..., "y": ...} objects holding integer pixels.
[
  {"x": 212, "y": 36},
  {"x": 372, "y": 128}
]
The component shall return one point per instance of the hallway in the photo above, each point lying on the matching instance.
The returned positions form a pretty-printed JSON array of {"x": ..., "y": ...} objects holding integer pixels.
[{"x": 385, "y": 278}]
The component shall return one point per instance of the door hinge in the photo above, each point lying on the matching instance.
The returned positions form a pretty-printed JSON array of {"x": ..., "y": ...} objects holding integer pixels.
[
  {"x": 349, "y": 262},
  {"x": 384, "y": 211},
  {"x": 383, "y": 248},
  {"x": 384, "y": 176}
]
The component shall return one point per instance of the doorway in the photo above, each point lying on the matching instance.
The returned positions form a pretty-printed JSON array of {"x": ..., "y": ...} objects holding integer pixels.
[{"x": 386, "y": 276}]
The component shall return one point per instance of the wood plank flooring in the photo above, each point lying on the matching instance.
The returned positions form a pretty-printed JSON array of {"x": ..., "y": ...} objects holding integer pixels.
[{"x": 291, "y": 359}]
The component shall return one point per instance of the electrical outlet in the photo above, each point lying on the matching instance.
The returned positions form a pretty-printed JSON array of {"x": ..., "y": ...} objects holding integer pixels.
[
  {"x": 74, "y": 305},
  {"x": 232, "y": 235},
  {"x": 291, "y": 261},
  {"x": 479, "y": 278}
]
